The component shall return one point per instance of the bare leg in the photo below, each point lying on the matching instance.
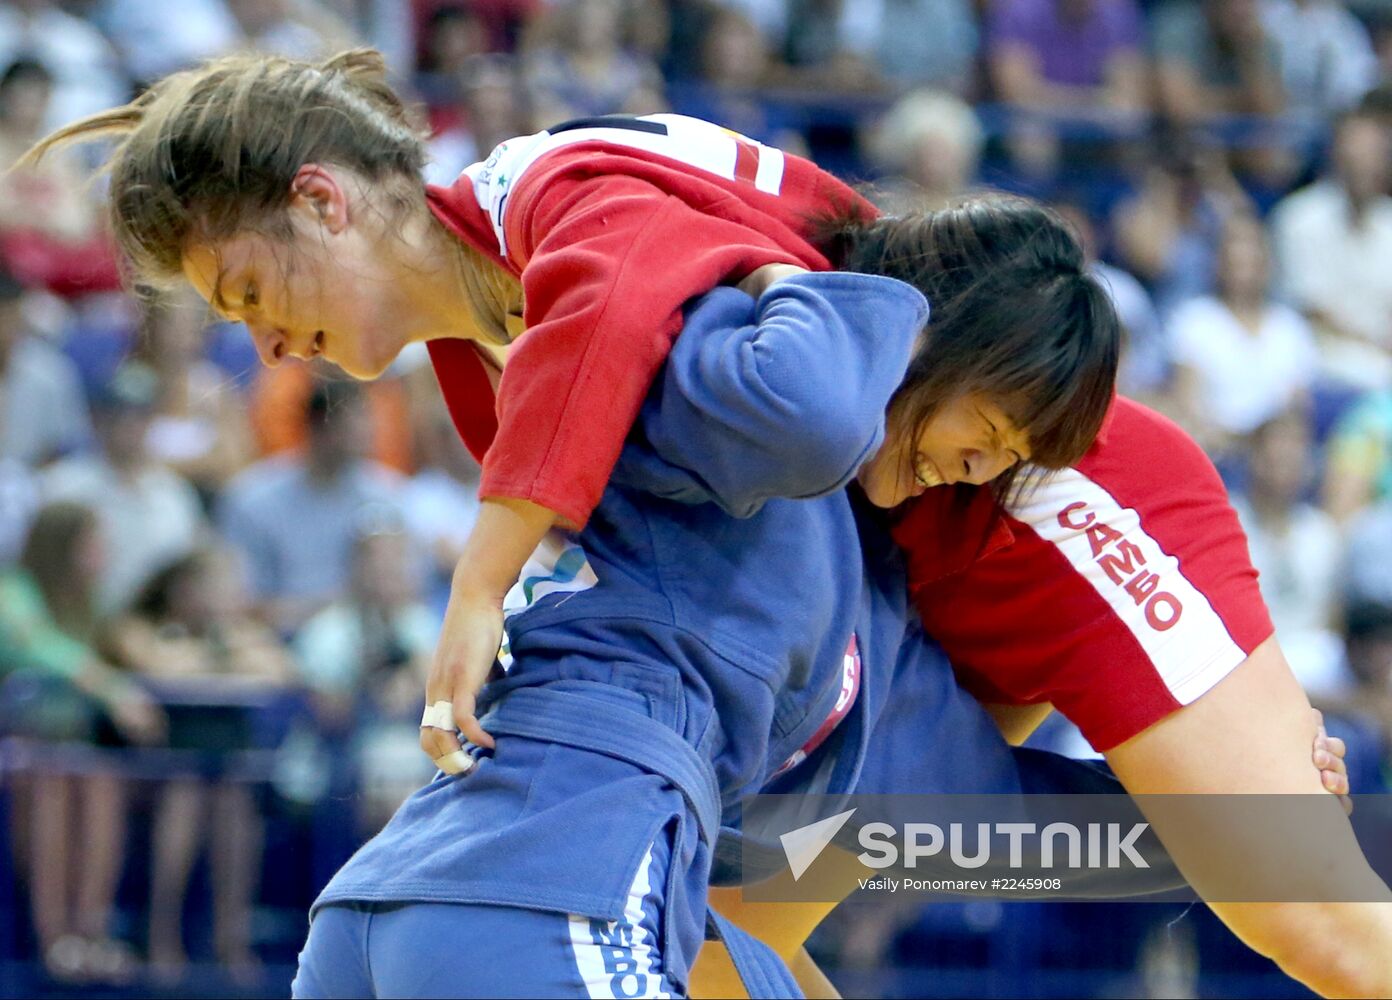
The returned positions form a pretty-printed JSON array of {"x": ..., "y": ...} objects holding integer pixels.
[
  {"x": 175, "y": 841},
  {"x": 103, "y": 826},
  {"x": 104, "y": 799},
  {"x": 237, "y": 839},
  {"x": 815, "y": 985},
  {"x": 51, "y": 839}
]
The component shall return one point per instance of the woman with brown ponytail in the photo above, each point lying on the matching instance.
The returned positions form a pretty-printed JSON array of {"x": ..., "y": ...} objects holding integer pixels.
[{"x": 290, "y": 196}]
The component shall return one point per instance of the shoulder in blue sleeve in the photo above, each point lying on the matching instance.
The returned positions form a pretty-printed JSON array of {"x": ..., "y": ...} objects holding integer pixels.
[{"x": 783, "y": 397}]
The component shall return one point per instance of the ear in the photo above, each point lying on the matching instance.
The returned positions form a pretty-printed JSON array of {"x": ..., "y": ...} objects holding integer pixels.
[{"x": 318, "y": 193}]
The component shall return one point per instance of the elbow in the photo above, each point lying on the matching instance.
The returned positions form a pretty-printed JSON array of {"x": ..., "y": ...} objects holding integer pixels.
[
  {"x": 826, "y": 459},
  {"x": 799, "y": 468}
]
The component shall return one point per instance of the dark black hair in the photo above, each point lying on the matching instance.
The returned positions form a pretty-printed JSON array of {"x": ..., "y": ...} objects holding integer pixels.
[{"x": 1015, "y": 315}]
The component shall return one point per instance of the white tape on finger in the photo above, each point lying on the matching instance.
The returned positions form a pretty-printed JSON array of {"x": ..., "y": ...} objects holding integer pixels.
[
  {"x": 455, "y": 762},
  {"x": 438, "y": 716}
]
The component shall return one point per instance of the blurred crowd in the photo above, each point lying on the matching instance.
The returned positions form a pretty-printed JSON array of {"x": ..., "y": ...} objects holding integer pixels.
[{"x": 220, "y": 585}]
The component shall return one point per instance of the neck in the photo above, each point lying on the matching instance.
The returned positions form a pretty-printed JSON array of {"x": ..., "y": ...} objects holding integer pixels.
[{"x": 429, "y": 283}]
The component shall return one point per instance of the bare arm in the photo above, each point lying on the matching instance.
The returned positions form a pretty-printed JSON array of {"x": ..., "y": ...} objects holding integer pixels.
[
  {"x": 1258, "y": 721},
  {"x": 1127, "y": 81},
  {"x": 504, "y": 536},
  {"x": 785, "y": 926}
]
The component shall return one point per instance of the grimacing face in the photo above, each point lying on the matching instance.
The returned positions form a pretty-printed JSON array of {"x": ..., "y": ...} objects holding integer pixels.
[{"x": 968, "y": 440}]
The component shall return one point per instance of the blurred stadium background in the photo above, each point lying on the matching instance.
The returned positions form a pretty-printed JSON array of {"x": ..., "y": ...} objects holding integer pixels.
[{"x": 206, "y": 702}]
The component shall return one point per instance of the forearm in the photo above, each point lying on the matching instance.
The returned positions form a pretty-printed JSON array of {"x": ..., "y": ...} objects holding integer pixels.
[
  {"x": 100, "y": 680},
  {"x": 1182, "y": 97},
  {"x": 136, "y": 645},
  {"x": 504, "y": 536},
  {"x": 1072, "y": 101},
  {"x": 1325, "y": 316},
  {"x": 1259, "y": 722}
]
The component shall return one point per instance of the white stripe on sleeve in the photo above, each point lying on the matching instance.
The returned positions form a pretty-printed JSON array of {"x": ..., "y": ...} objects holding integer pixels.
[{"x": 1145, "y": 586}]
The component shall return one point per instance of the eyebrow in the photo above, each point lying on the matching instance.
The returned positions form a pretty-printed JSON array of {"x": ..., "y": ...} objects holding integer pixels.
[
  {"x": 996, "y": 437},
  {"x": 216, "y": 299}
]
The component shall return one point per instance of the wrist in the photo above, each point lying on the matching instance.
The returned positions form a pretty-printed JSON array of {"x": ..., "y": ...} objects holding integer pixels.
[{"x": 469, "y": 587}]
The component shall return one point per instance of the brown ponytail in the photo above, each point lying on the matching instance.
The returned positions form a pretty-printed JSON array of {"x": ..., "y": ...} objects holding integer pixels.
[{"x": 212, "y": 151}]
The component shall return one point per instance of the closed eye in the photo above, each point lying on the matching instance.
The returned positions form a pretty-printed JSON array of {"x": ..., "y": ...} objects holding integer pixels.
[{"x": 998, "y": 445}]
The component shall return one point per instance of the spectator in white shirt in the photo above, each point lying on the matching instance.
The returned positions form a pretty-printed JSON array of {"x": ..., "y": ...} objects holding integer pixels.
[
  {"x": 150, "y": 515},
  {"x": 1325, "y": 53},
  {"x": 36, "y": 378},
  {"x": 1333, "y": 242},
  {"x": 1295, "y": 548},
  {"x": 1240, "y": 358},
  {"x": 364, "y": 658}
]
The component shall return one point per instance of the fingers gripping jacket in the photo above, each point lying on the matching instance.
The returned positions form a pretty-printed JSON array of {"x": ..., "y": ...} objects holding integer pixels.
[{"x": 440, "y": 715}]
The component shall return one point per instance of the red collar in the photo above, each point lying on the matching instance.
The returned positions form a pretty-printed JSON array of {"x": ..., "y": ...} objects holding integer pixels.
[
  {"x": 458, "y": 210},
  {"x": 946, "y": 530}
]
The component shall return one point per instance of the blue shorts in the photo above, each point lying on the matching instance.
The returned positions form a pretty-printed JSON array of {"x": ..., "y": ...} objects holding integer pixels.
[{"x": 471, "y": 950}]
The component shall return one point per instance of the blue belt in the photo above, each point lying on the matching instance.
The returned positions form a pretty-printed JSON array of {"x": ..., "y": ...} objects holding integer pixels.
[{"x": 550, "y": 716}]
